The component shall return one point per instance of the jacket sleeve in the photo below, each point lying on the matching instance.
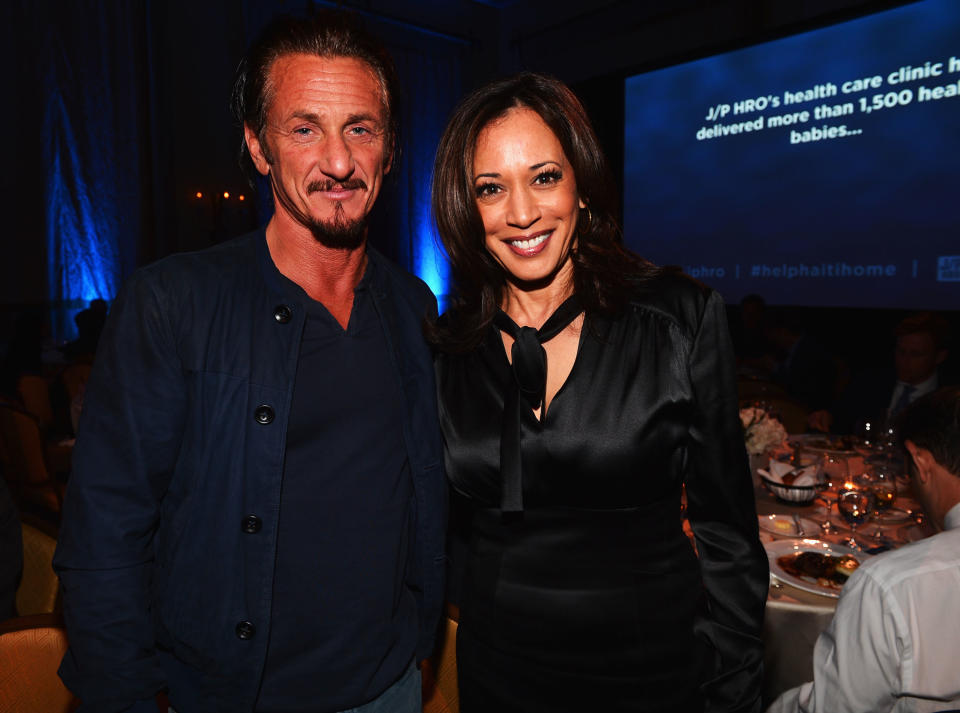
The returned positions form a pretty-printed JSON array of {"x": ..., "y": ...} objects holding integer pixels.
[
  {"x": 128, "y": 441},
  {"x": 722, "y": 512}
]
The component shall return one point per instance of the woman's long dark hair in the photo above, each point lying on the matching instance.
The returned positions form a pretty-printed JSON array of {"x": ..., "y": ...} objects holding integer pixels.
[{"x": 605, "y": 273}]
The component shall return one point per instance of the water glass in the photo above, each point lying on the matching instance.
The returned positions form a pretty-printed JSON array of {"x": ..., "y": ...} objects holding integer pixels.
[
  {"x": 883, "y": 487},
  {"x": 867, "y": 432},
  {"x": 836, "y": 472},
  {"x": 854, "y": 507}
]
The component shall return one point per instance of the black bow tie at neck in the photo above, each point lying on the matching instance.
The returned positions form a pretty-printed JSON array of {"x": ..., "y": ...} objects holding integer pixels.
[{"x": 530, "y": 382}]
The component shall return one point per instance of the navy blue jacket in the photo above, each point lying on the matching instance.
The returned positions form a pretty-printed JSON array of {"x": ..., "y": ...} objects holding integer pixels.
[{"x": 166, "y": 554}]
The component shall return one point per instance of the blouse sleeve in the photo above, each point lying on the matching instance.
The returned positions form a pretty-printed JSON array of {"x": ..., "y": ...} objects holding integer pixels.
[{"x": 722, "y": 512}]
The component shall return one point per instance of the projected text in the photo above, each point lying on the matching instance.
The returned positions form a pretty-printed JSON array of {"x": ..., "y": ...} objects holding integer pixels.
[{"x": 802, "y": 111}]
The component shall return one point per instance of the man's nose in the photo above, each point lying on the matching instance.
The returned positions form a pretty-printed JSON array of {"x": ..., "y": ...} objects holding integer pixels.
[
  {"x": 336, "y": 158},
  {"x": 522, "y": 209}
]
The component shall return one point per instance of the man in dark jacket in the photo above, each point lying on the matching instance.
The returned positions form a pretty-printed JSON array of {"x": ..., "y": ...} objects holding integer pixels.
[
  {"x": 256, "y": 514},
  {"x": 880, "y": 396}
]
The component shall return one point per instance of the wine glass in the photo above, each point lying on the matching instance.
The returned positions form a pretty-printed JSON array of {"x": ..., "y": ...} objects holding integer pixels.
[
  {"x": 889, "y": 437},
  {"x": 869, "y": 433},
  {"x": 854, "y": 507},
  {"x": 836, "y": 472},
  {"x": 883, "y": 487},
  {"x": 884, "y": 445}
]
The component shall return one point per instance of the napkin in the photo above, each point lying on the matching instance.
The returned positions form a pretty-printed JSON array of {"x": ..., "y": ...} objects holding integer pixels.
[{"x": 805, "y": 477}]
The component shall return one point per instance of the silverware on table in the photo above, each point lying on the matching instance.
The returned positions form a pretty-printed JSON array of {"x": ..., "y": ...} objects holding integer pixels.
[{"x": 796, "y": 523}]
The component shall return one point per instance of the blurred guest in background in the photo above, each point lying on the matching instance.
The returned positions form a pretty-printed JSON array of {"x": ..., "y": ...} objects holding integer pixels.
[
  {"x": 24, "y": 354},
  {"x": 581, "y": 389},
  {"x": 749, "y": 340},
  {"x": 921, "y": 347},
  {"x": 894, "y": 642},
  {"x": 803, "y": 366},
  {"x": 90, "y": 324}
]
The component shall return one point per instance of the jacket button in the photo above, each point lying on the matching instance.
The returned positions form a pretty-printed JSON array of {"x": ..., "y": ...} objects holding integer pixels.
[
  {"x": 263, "y": 414},
  {"x": 245, "y": 630},
  {"x": 252, "y": 524},
  {"x": 282, "y": 314}
]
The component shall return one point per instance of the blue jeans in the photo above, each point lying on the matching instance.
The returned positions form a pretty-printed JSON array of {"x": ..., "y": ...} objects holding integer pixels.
[{"x": 402, "y": 697}]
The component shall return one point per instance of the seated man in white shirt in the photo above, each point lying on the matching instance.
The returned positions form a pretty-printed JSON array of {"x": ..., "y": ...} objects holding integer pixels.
[{"x": 894, "y": 642}]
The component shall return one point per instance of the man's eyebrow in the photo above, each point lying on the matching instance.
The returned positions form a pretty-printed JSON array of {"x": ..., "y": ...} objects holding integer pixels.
[
  {"x": 314, "y": 118},
  {"x": 363, "y": 116},
  {"x": 310, "y": 116}
]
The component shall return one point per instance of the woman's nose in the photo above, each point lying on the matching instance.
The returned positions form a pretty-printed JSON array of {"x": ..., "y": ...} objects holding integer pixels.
[{"x": 522, "y": 209}]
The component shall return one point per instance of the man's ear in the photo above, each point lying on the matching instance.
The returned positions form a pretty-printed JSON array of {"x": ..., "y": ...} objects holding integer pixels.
[
  {"x": 258, "y": 153},
  {"x": 922, "y": 460}
]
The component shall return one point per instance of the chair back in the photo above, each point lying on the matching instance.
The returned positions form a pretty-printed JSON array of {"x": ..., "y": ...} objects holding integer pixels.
[
  {"x": 22, "y": 445},
  {"x": 34, "y": 391},
  {"x": 31, "y": 648},
  {"x": 39, "y": 590},
  {"x": 22, "y": 459},
  {"x": 74, "y": 377}
]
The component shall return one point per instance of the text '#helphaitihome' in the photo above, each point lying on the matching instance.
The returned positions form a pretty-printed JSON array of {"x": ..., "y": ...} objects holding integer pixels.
[{"x": 823, "y": 269}]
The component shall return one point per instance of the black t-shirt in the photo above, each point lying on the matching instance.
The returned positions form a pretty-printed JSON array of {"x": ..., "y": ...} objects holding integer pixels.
[{"x": 344, "y": 623}]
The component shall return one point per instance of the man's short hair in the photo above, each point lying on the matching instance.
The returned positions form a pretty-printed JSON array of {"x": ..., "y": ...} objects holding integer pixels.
[
  {"x": 925, "y": 322},
  {"x": 933, "y": 422},
  {"x": 326, "y": 33}
]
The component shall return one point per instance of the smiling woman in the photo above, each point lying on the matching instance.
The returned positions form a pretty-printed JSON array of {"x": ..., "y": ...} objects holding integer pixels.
[
  {"x": 581, "y": 388},
  {"x": 527, "y": 198}
]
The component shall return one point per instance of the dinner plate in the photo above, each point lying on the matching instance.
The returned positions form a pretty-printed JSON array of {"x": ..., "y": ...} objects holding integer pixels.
[
  {"x": 784, "y": 525},
  {"x": 893, "y": 516},
  {"x": 778, "y": 549}
]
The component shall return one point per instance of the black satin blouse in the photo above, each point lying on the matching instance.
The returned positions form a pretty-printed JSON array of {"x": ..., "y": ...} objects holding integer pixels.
[{"x": 594, "y": 584}]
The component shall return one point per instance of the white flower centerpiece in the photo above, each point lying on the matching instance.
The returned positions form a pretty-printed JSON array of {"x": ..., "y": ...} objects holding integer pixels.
[{"x": 761, "y": 431}]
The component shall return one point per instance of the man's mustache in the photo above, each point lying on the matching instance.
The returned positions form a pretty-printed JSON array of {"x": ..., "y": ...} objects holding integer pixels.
[{"x": 351, "y": 184}]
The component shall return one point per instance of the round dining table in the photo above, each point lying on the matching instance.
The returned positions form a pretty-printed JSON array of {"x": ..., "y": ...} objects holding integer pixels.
[{"x": 795, "y": 616}]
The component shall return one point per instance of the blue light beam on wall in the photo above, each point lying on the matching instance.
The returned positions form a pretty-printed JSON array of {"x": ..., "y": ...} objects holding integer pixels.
[
  {"x": 96, "y": 122},
  {"x": 83, "y": 260},
  {"x": 430, "y": 259}
]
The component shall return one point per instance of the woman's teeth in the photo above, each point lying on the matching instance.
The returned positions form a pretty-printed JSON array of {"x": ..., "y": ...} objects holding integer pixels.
[{"x": 532, "y": 242}]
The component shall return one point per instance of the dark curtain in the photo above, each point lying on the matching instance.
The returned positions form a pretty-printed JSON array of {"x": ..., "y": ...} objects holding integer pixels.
[
  {"x": 84, "y": 126},
  {"x": 97, "y": 159},
  {"x": 431, "y": 77}
]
